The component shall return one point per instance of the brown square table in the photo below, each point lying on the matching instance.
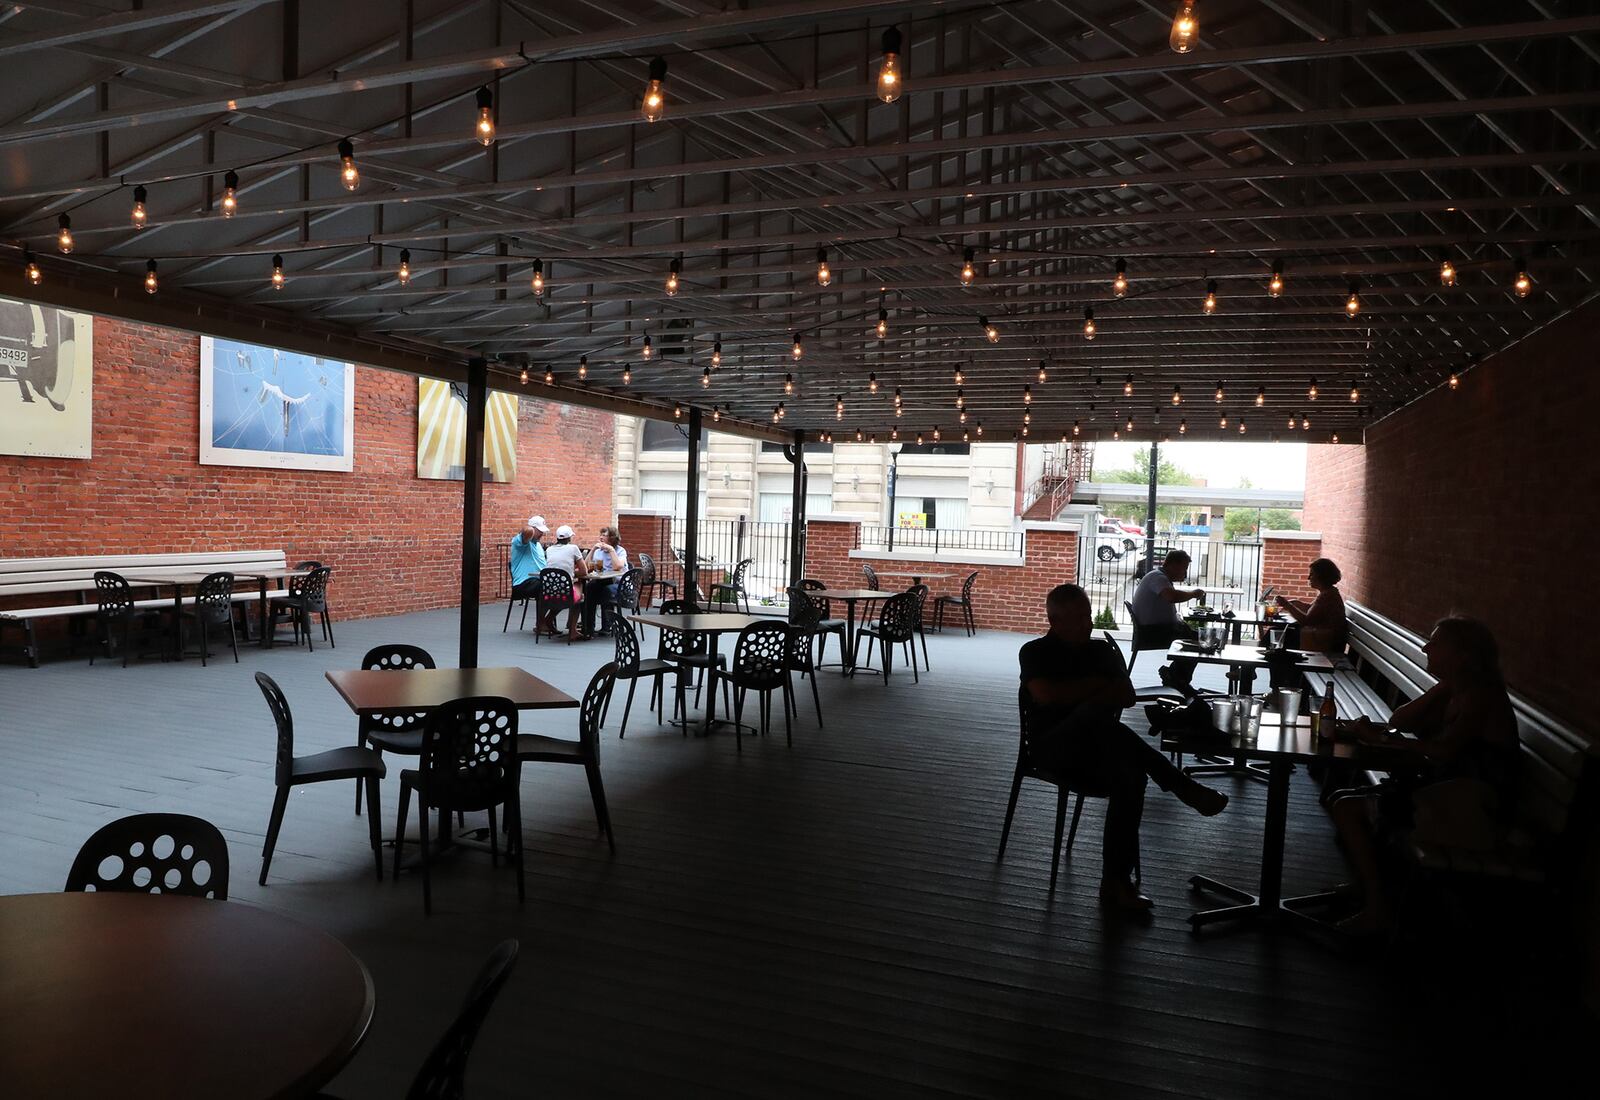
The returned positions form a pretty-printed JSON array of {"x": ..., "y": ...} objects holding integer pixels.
[
  {"x": 712, "y": 624},
  {"x": 850, "y": 597},
  {"x": 178, "y": 581},
  {"x": 380, "y": 691}
]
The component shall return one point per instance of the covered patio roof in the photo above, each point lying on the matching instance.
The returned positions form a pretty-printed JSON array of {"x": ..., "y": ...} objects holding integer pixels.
[{"x": 1054, "y": 140}]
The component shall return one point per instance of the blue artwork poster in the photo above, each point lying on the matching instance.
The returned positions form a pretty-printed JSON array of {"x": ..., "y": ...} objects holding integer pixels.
[{"x": 262, "y": 406}]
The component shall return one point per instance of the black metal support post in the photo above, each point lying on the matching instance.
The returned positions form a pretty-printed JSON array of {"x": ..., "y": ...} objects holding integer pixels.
[
  {"x": 691, "y": 521},
  {"x": 796, "y": 453},
  {"x": 1150, "y": 510},
  {"x": 894, "y": 476},
  {"x": 472, "y": 509}
]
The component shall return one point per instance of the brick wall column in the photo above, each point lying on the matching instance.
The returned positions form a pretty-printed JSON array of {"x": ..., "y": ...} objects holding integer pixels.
[
  {"x": 1284, "y": 558},
  {"x": 829, "y": 540},
  {"x": 646, "y": 531}
]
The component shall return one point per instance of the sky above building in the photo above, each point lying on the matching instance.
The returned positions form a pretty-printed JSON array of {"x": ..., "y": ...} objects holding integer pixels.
[{"x": 1224, "y": 465}]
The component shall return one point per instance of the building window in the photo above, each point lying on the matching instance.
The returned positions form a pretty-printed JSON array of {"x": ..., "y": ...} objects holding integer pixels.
[
  {"x": 936, "y": 449},
  {"x": 661, "y": 436},
  {"x": 810, "y": 448},
  {"x": 773, "y": 503},
  {"x": 944, "y": 513},
  {"x": 665, "y": 491}
]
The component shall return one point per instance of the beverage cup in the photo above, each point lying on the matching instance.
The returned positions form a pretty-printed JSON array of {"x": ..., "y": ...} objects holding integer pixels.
[
  {"x": 1287, "y": 704},
  {"x": 1222, "y": 714}
]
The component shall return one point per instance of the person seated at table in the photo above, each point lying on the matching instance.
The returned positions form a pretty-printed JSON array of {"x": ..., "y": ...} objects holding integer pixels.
[
  {"x": 1077, "y": 688},
  {"x": 1156, "y": 618},
  {"x": 608, "y": 556},
  {"x": 1323, "y": 627},
  {"x": 527, "y": 558},
  {"x": 1466, "y": 750},
  {"x": 565, "y": 556}
]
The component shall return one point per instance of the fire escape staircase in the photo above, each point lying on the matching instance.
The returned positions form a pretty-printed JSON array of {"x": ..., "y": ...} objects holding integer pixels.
[{"x": 1065, "y": 464}]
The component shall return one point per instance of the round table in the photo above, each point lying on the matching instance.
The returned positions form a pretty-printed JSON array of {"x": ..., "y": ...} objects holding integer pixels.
[{"x": 150, "y": 995}]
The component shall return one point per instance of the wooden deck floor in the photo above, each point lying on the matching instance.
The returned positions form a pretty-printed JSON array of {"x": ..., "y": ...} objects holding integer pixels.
[{"x": 822, "y": 920}]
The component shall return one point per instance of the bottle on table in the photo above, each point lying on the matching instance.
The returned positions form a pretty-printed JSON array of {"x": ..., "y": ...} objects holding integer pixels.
[{"x": 1322, "y": 722}]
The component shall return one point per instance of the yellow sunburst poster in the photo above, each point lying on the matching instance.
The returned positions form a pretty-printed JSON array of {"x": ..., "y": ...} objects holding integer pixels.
[{"x": 442, "y": 433}]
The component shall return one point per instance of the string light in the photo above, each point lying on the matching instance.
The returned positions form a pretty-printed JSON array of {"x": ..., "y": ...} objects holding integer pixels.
[
  {"x": 655, "y": 97},
  {"x": 1352, "y": 304},
  {"x": 967, "y": 272},
  {"x": 990, "y": 333},
  {"x": 672, "y": 277},
  {"x": 1183, "y": 426},
  {"x": 485, "y": 126},
  {"x": 1261, "y": 396},
  {"x": 890, "y": 80},
  {"x": 824, "y": 274},
  {"x": 1185, "y": 28},
  {"x": 139, "y": 215},
  {"x": 883, "y": 322},
  {"x": 151, "y": 284},
  {"x": 627, "y": 375},
  {"x": 838, "y": 406},
  {"x": 1043, "y": 374},
  {"x": 549, "y": 377},
  {"x": 919, "y": 439},
  {"x": 858, "y": 435},
  {"x": 1220, "y": 394},
  {"x": 537, "y": 282},
  {"x": 1334, "y": 438},
  {"x": 1522, "y": 283},
  {"x": 1119, "y": 284},
  {"x": 277, "y": 272},
  {"x": 936, "y": 433},
  {"x": 30, "y": 268},
  {"x": 677, "y": 411},
  {"x": 894, "y": 433},
  {"x": 349, "y": 174},
  {"x": 1455, "y": 380},
  {"x": 1355, "y": 393},
  {"x": 872, "y": 382},
  {"x": 966, "y": 437},
  {"x": 64, "y": 234},
  {"x": 1210, "y": 303},
  {"x": 716, "y": 353},
  {"x": 788, "y": 384},
  {"x": 1291, "y": 422},
  {"x": 523, "y": 378},
  {"x": 960, "y": 378},
  {"x": 1127, "y": 386},
  {"x": 1241, "y": 427},
  {"x": 1177, "y": 395},
  {"x": 404, "y": 274},
  {"x": 647, "y": 350},
  {"x": 1116, "y": 433},
  {"x": 1088, "y": 323},
  {"x": 716, "y": 415},
  {"x": 1222, "y": 420},
  {"x": 1027, "y": 394},
  {"x": 1130, "y": 423},
  {"x": 1077, "y": 429},
  {"x": 961, "y": 399},
  {"x": 1311, "y": 393},
  {"x": 980, "y": 429},
  {"x": 230, "y": 194},
  {"x": 1024, "y": 431},
  {"x": 583, "y": 367},
  {"x": 1275, "y": 284},
  {"x": 1305, "y": 422},
  {"x": 705, "y": 378},
  {"x": 1447, "y": 273},
  {"x": 797, "y": 352},
  {"x": 897, "y": 397}
]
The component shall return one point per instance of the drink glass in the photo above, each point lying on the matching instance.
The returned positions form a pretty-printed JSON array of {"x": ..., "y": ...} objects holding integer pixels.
[
  {"x": 1247, "y": 719},
  {"x": 1287, "y": 704}
]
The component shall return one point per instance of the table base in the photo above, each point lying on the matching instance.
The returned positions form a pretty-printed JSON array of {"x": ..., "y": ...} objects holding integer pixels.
[
  {"x": 1238, "y": 768},
  {"x": 1252, "y": 908}
]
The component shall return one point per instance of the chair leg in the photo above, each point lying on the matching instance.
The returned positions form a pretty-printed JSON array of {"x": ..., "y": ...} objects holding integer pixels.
[
  {"x": 374, "y": 830},
  {"x": 400, "y": 825},
  {"x": 280, "y": 802},
  {"x": 1011, "y": 808},
  {"x": 305, "y": 625},
  {"x": 626, "y": 707},
  {"x": 427, "y": 878},
  {"x": 815, "y": 698},
  {"x": 233, "y": 637},
  {"x": 1055, "y": 849},
  {"x": 911, "y": 659},
  {"x": 924, "y": 638},
  {"x": 788, "y": 704},
  {"x": 597, "y": 792},
  {"x": 494, "y": 840},
  {"x": 738, "y": 718},
  {"x": 972, "y": 623},
  {"x": 1072, "y": 833},
  {"x": 514, "y": 828},
  {"x": 510, "y": 606}
]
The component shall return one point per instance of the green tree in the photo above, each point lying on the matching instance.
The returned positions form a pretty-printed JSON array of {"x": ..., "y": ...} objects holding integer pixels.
[
  {"x": 1280, "y": 519},
  {"x": 1239, "y": 524},
  {"x": 1167, "y": 473}
]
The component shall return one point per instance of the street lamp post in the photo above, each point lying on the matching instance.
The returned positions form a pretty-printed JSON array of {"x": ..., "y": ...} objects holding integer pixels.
[{"x": 894, "y": 470}]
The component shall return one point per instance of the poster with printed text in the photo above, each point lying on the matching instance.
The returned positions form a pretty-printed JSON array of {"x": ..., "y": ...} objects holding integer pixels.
[
  {"x": 262, "y": 406},
  {"x": 46, "y": 381},
  {"x": 442, "y": 433}
]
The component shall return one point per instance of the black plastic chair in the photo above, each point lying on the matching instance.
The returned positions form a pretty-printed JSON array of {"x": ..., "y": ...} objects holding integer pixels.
[
  {"x": 804, "y": 616},
  {"x": 555, "y": 594},
  {"x": 624, "y": 598},
  {"x": 649, "y": 583},
  {"x": 963, "y": 601},
  {"x": 443, "y": 1074},
  {"x": 896, "y": 625},
  {"x": 319, "y": 605},
  {"x": 690, "y": 651},
  {"x": 760, "y": 664},
  {"x": 630, "y": 667},
  {"x": 828, "y": 625},
  {"x": 1065, "y": 787},
  {"x": 153, "y": 854},
  {"x": 872, "y": 577},
  {"x": 118, "y": 615},
  {"x": 536, "y": 748},
  {"x": 396, "y": 732},
  {"x": 212, "y": 607},
  {"x": 363, "y": 765},
  {"x": 524, "y": 598},
  {"x": 733, "y": 590},
  {"x": 469, "y": 763},
  {"x": 920, "y": 591},
  {"x": 306, "y": 595}
]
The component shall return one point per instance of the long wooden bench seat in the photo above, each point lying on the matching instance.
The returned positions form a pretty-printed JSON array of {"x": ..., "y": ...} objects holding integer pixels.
[
  {"x": 1558, "y": 762},
  {"x": 71, "y": 578}
]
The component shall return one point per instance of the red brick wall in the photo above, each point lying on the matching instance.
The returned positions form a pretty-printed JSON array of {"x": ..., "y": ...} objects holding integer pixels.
[
  {"x": 393, "y": 539},
  {"x": 1478, "y": 500},
  {"x": 1283, "y": 565},
  {"x": 1005, "y": 597},
  {"x": 650, "y": 535}
]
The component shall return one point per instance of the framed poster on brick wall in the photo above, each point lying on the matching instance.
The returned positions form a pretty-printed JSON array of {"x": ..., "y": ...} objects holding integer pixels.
[
  {"x": 46, "y": 381},
  {"x": 442, "y": 433},
  {"x": 263, "y": 406}
]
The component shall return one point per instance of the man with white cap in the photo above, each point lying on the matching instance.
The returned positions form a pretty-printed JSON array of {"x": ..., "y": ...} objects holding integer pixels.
[
  {"x": 527, "y": 558},
  {"x": 568, "y": 558}
]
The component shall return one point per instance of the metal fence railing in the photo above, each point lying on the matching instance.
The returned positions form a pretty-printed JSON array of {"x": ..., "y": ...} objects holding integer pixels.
[
  {"x": 723, "y": 543},
  {"x": 939, "y": 539},
  {"x": 1109, "y": 568}
]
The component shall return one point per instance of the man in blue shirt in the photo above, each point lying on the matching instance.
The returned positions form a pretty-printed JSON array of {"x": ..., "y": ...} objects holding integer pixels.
[{"x": 527, "y": 558}]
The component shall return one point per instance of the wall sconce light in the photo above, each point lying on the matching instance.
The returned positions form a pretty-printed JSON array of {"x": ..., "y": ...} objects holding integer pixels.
[
  {"x": 989, "y": 485},
  {"x": 727, "y": 478}
]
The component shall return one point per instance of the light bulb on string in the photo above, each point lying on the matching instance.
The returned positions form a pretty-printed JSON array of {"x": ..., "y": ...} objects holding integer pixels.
[
  {"x": 797, "y": 352},
  {"x": 1291, "y": 421},
  {"x": 897, "y": 396},
  {"x": 627, "y": 375},
  {"x": 1130, "y": 423},
  {"x": 672, "y": 277},
  {"x": 549, "y": 377},
  {"x": 349, "y": 175},
  {"x": 968, "y": 273},
  {"x": 1241, "y": 427},
  {"x": 1088, "y": 323},
  {"x": 1334, "y": 438},
  {"x": 936, "y": 433},
  {"x": 139, "y": 215},
  {"x": 1222, "y": 420},
  {"x": 966, "y": 437},
  {"x": 277, "y": 272},
  {"x": 705, "y": 378},
  {"x": 1027, "y": 394},
  {"x": 1183, "y": 426},
  {"x": 1116, "y": 433},
  {"x": 1311, "y": 393},
  {"x": 484, "y": 129},
  {"x": 677, "y": 411},
  {"x": 1275, "y": 284},
  {"x": 891, "y": 82},
  {"x": 1177, "y": 395},
  {"x": 962, "y": 416},
  {"x": 1355, "y": 393},
  {"x": 30, "y": 268},
  {"x": 788, "y": 384},
  {"x": 919, "y": 439},
  {"x": 990, "y": 333},
  {"x": 960, "y": 378},
  {"x": 1305, "y": 423},
  {"x": 1127, "y": 386},
  {"x": 1209, "y": 304},
  {"x": 64, "y": 234},
  {"x": 1447, "y": 273},
  {"x": 404, "y": 274},
  {"x": 1043, "y": 373},
  {"x": 894, "y": 433},
  {"x": 151, "y": 284},
  {"x": 824, "y": 273},
  {"x": 883, "y": 323},
  {"x": 583, "y": 367},
  {"x": 1221, "y": 393},
  {"x": 716, "y": 415},
  {"x": 523, "y": 377},
  {"x": 647, "y": 350},
  {"x": 536, "y": 283},
  {"x": 1521, "y": 283},
  {"x": 716, "y": 353},
  {"x": 1185, "y": 28},
  {"x": 961, "y": 399},
  {"x": 872, "y": 382},
  {"x": 230, "y": 194},
  {"x": 1077, "y": 429},
  {"x": 859, "y": 435},
  {"x": 654, "y": 104},
  {"x": 838, "y": 406},
  {"x": 1119, "y": 283},
  {"x": 979, "y": 427},
  {"x": 1455, "y": 380},
  {"x": 1261, "y": 396},
  {"x": 1352, "y": 304}
]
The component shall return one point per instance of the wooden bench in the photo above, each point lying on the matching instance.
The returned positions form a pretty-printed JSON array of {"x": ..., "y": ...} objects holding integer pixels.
[
  {"x": 71, "y": 581},
  {"x": 1558, "y": 762}
]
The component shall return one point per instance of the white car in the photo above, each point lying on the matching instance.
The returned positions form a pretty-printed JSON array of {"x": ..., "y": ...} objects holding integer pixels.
[{"x": 1111, "y": 541}]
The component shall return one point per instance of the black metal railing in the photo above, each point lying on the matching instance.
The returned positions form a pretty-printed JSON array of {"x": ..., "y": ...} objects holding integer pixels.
[
  {"x": 724, "y": 543},
  {"x": 1109, "y": 566},
  {"x": 938, "y": 540}
]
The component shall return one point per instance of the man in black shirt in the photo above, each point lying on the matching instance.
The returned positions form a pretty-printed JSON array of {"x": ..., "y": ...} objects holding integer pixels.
[{"x": 1075, "y": 690}]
